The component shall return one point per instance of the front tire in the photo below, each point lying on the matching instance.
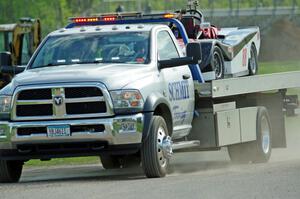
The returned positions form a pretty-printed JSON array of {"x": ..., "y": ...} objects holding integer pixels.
[
  {"x": 253, "y": 61},
  {"x": 217, "y": 63},
  {"x": 155, "y": 161},
  {"x": 10, "y": 171}
]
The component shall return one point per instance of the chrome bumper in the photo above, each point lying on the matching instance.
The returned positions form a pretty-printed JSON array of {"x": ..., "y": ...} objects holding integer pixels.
[{"x": 112, "y": 133}]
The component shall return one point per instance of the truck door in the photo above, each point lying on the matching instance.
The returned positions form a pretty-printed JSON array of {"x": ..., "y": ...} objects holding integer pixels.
[{"x": 178, "y": 85}]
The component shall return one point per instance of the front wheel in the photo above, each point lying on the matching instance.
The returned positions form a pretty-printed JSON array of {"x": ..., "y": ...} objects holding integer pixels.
[
  {"x": 156, "y": 149},
  {"x": 10, "y": 171},
  {"x": 253, "y": 61},
  {"x": 217, "y": 63}
]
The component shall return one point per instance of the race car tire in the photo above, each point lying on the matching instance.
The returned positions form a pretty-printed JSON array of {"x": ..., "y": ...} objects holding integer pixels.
[
  {"x": 258, "y": 151},
  {"x": 217, "y": 63},
  {"x": 154, "y": 161},
  {"x": 253, "y": 61},
  {"x": 10, "y": 171}
]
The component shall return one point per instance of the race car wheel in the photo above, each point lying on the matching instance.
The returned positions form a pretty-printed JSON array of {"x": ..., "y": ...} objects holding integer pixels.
[
  {"x": 217, "y": 63},
  {"x": 258, "y": 151},
  {"x": 253, "y": 61},
  {"x": 10, "y": 171},
  {"x": 155, "y": 149}
]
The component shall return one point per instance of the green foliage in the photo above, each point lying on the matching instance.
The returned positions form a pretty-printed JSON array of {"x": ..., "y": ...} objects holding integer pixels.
[{"x": 54, "y": 14}]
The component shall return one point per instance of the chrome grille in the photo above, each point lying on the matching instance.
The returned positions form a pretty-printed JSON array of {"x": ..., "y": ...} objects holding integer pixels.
[{"x": 61, "y": 102}]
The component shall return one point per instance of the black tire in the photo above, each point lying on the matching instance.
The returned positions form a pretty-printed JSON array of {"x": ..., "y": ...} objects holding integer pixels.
[
  {"x": 110, "y": 162},
  {"x": 253, "y": 61},
  {"x": 258, "y": 151},
  {"x": 10, "y": 171},
  {"x": 263, "y": 144},
  {"x": 217, "y": 63},
  {"x": 154, "y": 161}
]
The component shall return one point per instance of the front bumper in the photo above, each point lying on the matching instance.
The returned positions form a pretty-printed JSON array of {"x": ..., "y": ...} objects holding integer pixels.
[{"x": 112, "y": 134}]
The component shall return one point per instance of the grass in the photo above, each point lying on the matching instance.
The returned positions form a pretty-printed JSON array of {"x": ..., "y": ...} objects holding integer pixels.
[
  {"x": 264, "y": 68},
  {"x": 276, "y": 67},
  {"x": 63, "y": 161}
]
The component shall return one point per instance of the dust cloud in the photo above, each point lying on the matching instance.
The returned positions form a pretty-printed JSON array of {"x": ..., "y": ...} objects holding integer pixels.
[{"x": 212, "y": 162}]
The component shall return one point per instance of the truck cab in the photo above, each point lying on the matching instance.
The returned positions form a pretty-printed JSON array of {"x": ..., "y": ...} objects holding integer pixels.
[{"x": 104, "y": 91}]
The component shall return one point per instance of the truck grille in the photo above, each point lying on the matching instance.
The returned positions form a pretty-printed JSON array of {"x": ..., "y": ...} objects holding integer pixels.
[{"x": 60, "y": 103}]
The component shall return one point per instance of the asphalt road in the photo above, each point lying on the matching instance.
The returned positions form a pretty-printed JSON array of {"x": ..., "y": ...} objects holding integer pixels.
[{"x": 195, "y": 175}]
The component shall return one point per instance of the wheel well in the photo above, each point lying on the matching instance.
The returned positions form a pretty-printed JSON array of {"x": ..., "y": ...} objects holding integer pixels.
[
  {"x": 164, "y": 111},
  {"x": 254, "y": 45}
]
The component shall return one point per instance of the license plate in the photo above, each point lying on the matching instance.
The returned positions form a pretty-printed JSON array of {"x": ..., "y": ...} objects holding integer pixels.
[
  {"x": 58, "y": 131},
  {"x": 128, "y": 127}
]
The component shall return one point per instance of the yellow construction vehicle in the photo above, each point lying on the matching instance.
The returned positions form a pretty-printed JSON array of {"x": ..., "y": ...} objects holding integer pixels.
[{"x": 17, "y": 43}]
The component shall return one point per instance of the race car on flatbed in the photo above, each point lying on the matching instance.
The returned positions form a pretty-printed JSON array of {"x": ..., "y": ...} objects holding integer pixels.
[
  {"x": 120, "y": 87},
  {"x": 226, "y": 52}
]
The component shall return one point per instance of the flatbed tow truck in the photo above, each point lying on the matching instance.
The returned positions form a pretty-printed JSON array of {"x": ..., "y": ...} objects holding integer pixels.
[{"x": 134, "y": 106}]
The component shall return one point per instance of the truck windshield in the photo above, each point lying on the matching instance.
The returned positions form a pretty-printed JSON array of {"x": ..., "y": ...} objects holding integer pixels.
[{"x": 119, "y": 47}]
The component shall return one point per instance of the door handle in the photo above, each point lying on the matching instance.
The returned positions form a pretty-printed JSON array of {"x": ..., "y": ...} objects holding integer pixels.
[{"x": 186, "y": 76}]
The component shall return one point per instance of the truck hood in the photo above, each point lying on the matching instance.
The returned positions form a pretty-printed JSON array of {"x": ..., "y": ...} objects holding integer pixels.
[{"x": 114, "y": 76}]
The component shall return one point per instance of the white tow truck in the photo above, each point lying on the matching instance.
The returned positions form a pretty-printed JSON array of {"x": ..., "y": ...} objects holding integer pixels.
[{"x": 120, "y": 87}]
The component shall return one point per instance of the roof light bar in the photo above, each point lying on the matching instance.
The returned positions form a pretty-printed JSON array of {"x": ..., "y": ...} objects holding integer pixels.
[
  {"x": 85, "y": 19},
  {"x": 169, "y": 15},
  {"x": 121, "y": 16},
  {"x": 109, "y": 18}
]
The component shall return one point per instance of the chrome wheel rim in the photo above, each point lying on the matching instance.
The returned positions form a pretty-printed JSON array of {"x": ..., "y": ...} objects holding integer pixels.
[
  {"x": 164, "y": 147},
  {"x": 218, "y": 65},
  {"x": 265, "y": 130}
]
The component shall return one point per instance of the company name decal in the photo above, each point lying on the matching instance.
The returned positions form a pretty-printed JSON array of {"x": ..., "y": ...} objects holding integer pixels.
[{"x": 179, "y": 90}]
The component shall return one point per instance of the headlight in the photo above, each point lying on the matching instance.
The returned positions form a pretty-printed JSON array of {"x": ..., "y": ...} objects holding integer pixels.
[
  {"x": 5, "y": 102},
  {"x": 125, "y": 101}
]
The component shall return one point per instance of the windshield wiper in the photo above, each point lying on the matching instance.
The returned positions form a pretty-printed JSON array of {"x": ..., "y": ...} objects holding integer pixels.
[
  {"x": 89, "y": 62},
  {"x": 49, "y": 65}
]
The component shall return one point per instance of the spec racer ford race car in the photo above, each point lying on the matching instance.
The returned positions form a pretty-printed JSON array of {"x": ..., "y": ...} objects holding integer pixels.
[{"x": 226, "y": 52}]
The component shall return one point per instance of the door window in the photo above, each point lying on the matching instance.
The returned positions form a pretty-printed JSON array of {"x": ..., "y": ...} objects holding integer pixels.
[{"x": 166, "y": 46}]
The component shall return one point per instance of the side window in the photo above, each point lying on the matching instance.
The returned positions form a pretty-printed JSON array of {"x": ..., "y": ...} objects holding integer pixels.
[{"x": 166, "y": 46}]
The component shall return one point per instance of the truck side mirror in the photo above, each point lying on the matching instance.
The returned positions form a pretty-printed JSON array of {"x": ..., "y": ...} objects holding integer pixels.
[
  {"x": 5, "y": 59},
  {"x": 194, "y": 50}
]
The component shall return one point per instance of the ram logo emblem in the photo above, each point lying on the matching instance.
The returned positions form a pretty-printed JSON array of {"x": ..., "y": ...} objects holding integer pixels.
[{"x": 58, "y": 100}]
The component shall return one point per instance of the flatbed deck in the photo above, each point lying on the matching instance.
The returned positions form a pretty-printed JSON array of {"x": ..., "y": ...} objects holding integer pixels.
[{"x": 246, "y": 85}]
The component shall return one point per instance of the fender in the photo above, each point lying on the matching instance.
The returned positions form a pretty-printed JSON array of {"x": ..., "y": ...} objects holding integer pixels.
[
  {"x": 207, "y": 51},
  {"x": 207, "y": 47},
  {"x": 151, "y": 103}
]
